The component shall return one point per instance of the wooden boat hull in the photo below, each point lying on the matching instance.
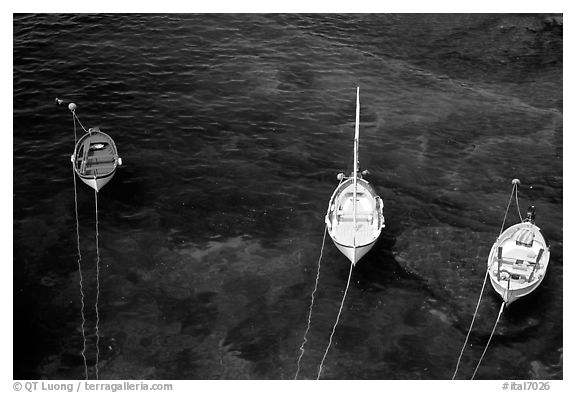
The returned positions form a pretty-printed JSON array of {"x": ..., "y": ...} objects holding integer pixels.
[
  {"x": 99, "y": 182},
  {"x": 95, "y": 159},
  {"x": 516, "y": 265},
  {"x": 354, "y": 243}
]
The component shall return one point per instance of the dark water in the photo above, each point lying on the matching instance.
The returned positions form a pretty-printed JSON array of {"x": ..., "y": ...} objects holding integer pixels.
[{"x": 232, "y": 129}]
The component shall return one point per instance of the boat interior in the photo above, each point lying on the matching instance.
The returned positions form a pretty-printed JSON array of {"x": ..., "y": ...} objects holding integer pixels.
[
  {"x": 520, "y": 255},
  {"x": 95, "y": 156},
  {"x": 367, "y": 224}
]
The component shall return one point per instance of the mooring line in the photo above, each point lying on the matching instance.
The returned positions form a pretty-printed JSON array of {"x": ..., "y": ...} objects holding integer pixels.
[
  {"x": 471, "y": 325},
  {"x": 80, "y": 273},
  {"x": 74, "y": 117},
  {"x": 513, "y": 195},
  {"x": 75, "y": 134},
  {"x": 508, "y": 207},
  {"x": 305, "y": 340},
  {"x": 336, "y": 323},
  {"x": 312, "y": 296},
  {"x": 97, "y": 284},
  {"x": 489, "y": 339},
  {"x": 517, "y": 204},
  {"x": 77, "y": 119}
]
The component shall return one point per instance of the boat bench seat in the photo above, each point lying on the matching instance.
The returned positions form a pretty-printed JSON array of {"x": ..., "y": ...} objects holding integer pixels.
[
  {"x": 359, "y": 217},
  {"x": 350, "y": 195},
  {"x": 98, "y": 171},
  {"x": 102, "y": 166},
  {"x": 101, "y": 160},
  {"x": 517, "y": 263},
  {"x": 95, "y": 160}
]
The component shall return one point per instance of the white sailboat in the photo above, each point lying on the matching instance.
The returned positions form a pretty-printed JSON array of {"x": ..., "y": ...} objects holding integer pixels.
[{"x": 355, "y": 212}]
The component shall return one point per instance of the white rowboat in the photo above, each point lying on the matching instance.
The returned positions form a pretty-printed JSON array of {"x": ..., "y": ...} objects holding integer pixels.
[{"x": 518, "y": 261}]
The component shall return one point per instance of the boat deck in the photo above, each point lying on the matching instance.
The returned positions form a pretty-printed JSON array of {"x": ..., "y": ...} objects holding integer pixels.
[
  {"x": 96, "y": 156},
  {"x": 344, "y": 234},
  {"x": 519, "y": 258},
  {"x": 367, "y": 225}
]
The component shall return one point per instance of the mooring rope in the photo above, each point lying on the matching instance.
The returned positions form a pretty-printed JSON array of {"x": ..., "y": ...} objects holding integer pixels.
[
  {"x": 74, "y": 121},
  {"x": 471, "y": 324},
  {"x": 82, "y": 305},
  {"x": 517, "y": 204},
  {"x": 514, "y": 192},
  {"x": 97, "y": 284},
  {"x": 312, "y": 296},
  {"x": 305, "y": 340},
  {"x": 489, "y": 339},
  {"x": 78, "y": 120},
  {"x": 80, "y": 274},
  {"x": 336, "y": 323}
]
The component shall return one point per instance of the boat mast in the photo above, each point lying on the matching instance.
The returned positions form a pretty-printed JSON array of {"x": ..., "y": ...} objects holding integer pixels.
[{"x": 356, "y": 140}]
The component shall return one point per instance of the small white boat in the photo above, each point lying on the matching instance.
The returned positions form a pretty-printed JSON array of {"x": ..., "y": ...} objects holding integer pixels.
[
  {"x": 355, "y": 213},
  {"x": 95, "y": 158},
  {"x": 518, "y": 260}
]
